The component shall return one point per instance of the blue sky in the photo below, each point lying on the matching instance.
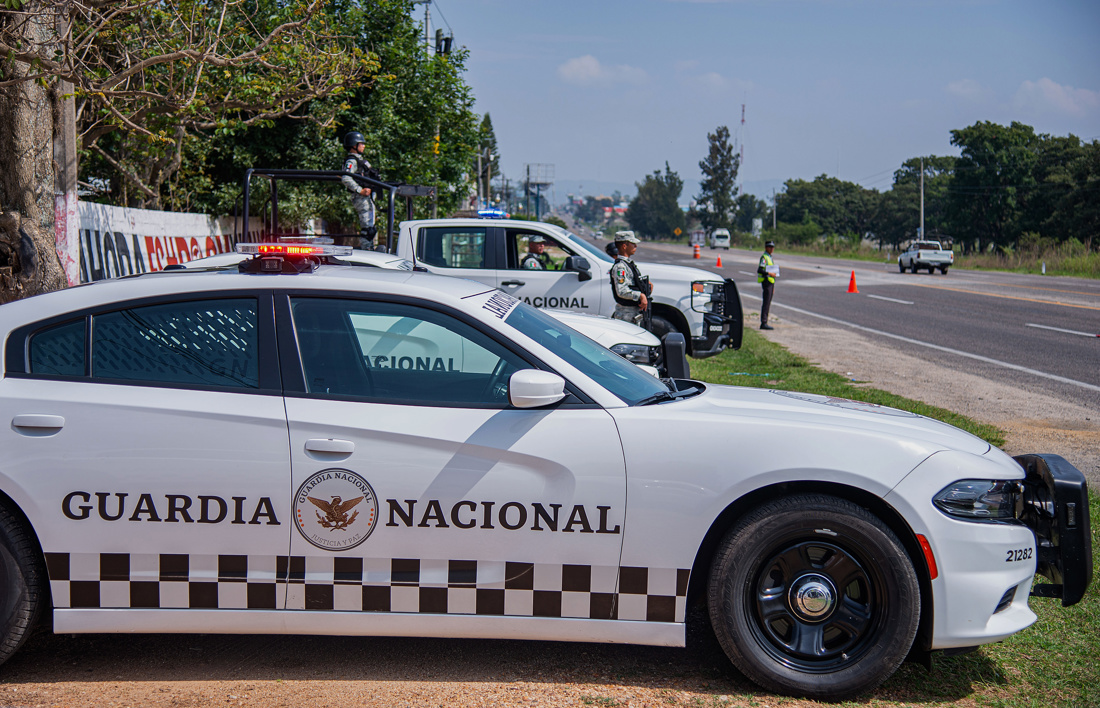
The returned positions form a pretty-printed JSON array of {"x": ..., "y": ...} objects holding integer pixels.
[{"x": 608, "y": 90}]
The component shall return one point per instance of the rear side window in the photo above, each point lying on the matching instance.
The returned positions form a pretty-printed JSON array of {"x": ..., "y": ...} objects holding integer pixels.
[
  {"x": 453, "y": 247},
  {"x": 59, "y": 350},
  {"x": 207, "y": 342}
]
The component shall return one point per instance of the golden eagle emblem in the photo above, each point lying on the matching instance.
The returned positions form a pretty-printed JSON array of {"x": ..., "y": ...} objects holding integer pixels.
[{"x": 336, "y": 512}]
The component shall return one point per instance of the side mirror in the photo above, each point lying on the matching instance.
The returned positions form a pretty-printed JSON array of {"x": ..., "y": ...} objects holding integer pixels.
[
  {"x": 580, "y": 266},
  {"x": 531, "y": 388}
]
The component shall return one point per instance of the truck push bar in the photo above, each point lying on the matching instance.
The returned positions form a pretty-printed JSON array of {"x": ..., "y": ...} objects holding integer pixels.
[{"x": 393, "y": 190}]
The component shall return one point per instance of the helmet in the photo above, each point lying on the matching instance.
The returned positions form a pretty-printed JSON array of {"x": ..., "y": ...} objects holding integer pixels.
[{"x": 352, "y": 139}]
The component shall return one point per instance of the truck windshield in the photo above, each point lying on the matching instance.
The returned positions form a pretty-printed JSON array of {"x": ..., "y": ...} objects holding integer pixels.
[
  {"x": 606, "y": 368},
  {"x": 586, "y": 246}
]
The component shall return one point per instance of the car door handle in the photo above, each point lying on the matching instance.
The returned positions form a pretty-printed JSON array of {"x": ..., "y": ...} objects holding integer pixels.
[
  {"x": 31, "y": 422},
  {"x": 345, "y": 447},
  {"x": 513, "y": 282}
]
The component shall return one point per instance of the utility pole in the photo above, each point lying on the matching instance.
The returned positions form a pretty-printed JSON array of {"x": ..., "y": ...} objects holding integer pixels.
[
  {"x": 427, "y": 17},
  {"x": 66, "y": 216},
  {"x": 921, "y": 235},
  {"x": 775, "y": 206}
]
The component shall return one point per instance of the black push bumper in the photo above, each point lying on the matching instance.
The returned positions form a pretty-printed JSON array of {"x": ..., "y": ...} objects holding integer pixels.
[
  {"x": 1054, "y": 504},
  {"x": 723, "y": 318}
]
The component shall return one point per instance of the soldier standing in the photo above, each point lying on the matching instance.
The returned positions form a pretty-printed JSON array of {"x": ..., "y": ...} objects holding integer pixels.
[
  {"x": 361, "y": 198},
  {"x": 766, "y": 273},
  {"x": 630, "y": 289}
]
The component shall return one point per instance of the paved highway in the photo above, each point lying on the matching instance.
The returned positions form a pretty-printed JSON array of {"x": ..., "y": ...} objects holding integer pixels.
[{"x": 1041, "y": 333}]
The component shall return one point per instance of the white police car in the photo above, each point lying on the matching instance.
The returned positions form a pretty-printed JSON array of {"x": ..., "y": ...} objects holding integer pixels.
[{"x": 298, "y": 448}]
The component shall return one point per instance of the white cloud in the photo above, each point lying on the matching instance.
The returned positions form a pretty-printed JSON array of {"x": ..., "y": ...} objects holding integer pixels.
[
  {"x": 969, "y": 89},
  {"x": 588, "y": 71},
  {"x": 1047, "y": 96}
]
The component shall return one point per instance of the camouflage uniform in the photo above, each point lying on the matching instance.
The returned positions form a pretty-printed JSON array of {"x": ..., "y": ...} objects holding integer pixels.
[
  {"x": 626, "y": 288},
  {"x": 535, "y": 261},
  {"x": 364, "y": 206}
]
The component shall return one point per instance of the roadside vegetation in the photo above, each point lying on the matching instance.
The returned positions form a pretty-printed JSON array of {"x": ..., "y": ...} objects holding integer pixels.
[{"x": 1052, "y": 663}]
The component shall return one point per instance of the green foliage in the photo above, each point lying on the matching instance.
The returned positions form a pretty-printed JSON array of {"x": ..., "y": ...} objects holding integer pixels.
[
  {"x": 592, "y": 209},
  {"x": 835, "y": 205},
  {"x": 655, "y": 212},
  {"x": 746, "y": 208},
  {"x": 719, "y": 184},
  {"x": 414, "y": 96},
  {"x": 898, "y": 215},
  {"x": 555, "y": 220},
  {"x": 992, "y": 180}
]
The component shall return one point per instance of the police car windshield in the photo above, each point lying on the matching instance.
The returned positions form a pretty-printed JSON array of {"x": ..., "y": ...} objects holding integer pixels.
[{"x": 603, "y": 366}]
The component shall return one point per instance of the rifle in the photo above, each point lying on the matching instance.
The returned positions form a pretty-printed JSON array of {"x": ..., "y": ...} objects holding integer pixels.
[{"x": 647, "y": 313}]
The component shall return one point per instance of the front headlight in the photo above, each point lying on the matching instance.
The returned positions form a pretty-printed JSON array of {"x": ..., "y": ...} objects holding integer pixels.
[
  {"x": 636, "y": 353},
  {"x": 979, "y": 499}
]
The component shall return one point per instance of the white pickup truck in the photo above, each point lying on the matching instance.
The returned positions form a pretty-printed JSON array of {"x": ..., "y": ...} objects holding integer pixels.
[
  {"x": 701, "y": 306},
  {"x": 928, "y": 255}
]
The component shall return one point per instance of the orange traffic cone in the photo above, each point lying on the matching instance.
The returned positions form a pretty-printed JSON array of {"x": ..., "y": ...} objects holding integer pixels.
[
  {"x": 719, "y": 264},
  {"x": 852, "y": 284}
]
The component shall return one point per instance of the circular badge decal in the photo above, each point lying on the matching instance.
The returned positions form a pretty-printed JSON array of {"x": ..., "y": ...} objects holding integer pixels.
[{"x": 335, "y": 509}]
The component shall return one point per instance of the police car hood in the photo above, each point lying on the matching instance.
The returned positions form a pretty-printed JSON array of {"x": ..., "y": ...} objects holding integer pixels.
[{"x": 795, "y": 410}]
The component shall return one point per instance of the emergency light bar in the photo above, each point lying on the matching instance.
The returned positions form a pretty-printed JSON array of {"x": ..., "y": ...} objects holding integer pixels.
[{"x": 292, "y": 249}]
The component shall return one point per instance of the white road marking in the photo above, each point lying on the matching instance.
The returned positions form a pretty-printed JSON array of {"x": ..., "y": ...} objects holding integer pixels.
[
  {"x": 1067, "y": 331},
  {"x": 949, "y": 350},
  {"x": 745, "y": 272},
  {"x": 880, "y": 297}
]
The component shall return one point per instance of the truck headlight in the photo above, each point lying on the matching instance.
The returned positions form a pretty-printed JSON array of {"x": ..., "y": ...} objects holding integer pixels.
[
  {"x": 637, "y": 353},
  {"x": 978, "y": 499}
]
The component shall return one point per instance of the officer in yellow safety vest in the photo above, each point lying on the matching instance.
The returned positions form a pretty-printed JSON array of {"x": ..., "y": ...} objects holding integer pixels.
[{"x": 766, "y": 273}]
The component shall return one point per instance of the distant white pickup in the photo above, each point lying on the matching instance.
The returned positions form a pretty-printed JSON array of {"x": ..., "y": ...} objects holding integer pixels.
[{"x": 926, "y": 255}]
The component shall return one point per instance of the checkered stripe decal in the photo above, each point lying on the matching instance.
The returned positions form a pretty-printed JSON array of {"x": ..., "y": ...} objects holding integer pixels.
[{"x": 462, "y": 587}]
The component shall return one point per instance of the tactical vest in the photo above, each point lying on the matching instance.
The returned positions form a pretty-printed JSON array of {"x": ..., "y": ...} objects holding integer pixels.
[
  {"x": 637, "y": 283},
  {"x": 362, "y": 167},
  {"x": 761, "y": 273}
]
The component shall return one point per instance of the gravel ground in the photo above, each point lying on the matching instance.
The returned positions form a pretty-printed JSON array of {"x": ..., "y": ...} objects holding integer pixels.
[{"x": 267, "y": 672}]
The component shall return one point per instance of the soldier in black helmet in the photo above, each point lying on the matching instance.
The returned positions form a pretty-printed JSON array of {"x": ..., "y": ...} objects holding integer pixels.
[{"x": 361, "y": 199}]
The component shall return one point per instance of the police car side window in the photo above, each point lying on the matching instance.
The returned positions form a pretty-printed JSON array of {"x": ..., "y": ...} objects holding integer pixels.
[
  {"x": 58, "y": 350},
  {"x": 206, "y": 343},
  {"x": 452, "y": 247},
  {"x": 399, "y": 354}
]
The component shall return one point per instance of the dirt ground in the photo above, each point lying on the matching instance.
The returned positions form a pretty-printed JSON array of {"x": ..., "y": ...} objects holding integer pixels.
[{"x": 267, "y": 672}]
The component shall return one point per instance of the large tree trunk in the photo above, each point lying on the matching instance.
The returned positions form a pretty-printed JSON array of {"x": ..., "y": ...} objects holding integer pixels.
[{"x": 28, "y": 257}]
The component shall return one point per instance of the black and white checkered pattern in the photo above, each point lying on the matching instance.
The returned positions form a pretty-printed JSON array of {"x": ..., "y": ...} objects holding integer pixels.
[{"x": 342, "y": 583}]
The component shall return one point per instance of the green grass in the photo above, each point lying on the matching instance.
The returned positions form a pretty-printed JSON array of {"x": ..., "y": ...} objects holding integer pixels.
[
  {"x": 763, "y": 364},
  {"x": 1056, "y": 662}
]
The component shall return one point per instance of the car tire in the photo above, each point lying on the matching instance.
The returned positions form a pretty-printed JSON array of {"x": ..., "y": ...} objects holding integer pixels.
[
  {"x": 901, "y": 266},
  {"x": 944, "y": 270},
  {"x": 22, "y": 582},
  {"x": 814, "y": 596}
]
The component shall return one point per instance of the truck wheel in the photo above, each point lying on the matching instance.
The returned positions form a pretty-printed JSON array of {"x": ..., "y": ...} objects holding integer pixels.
[
  {"x": 814, "y": 596},
  {"x": 944, "y": 270},
  {"x": 660, "y": 326},
  {"x": 913, "y": 267},
  {"x": 901, "y": 266},
  {"x": 21, "y": 584}
]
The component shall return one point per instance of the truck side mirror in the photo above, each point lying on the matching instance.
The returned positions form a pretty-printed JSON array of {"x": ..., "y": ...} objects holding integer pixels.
[{"x": 580, "y": 266}]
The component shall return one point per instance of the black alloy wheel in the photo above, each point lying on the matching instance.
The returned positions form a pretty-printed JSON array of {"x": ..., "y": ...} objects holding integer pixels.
[
  {"x": 814, "y": 596},
  {"x": 22, "y": 581}
]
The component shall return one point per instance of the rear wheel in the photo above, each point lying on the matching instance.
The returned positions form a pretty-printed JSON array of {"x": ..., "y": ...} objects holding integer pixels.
[
  {"x": 22, "y": 581},
  {"x": 944, "y": 270},
  {"x": 814, "y": 596}
]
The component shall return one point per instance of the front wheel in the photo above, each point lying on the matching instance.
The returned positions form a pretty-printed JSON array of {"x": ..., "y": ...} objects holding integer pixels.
[
  {"x": 901, "y": 266},
  {"x": 814, "y": 596},
  {"x": 660, "y": 326},
  {"x": 22, "y": 581}
]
